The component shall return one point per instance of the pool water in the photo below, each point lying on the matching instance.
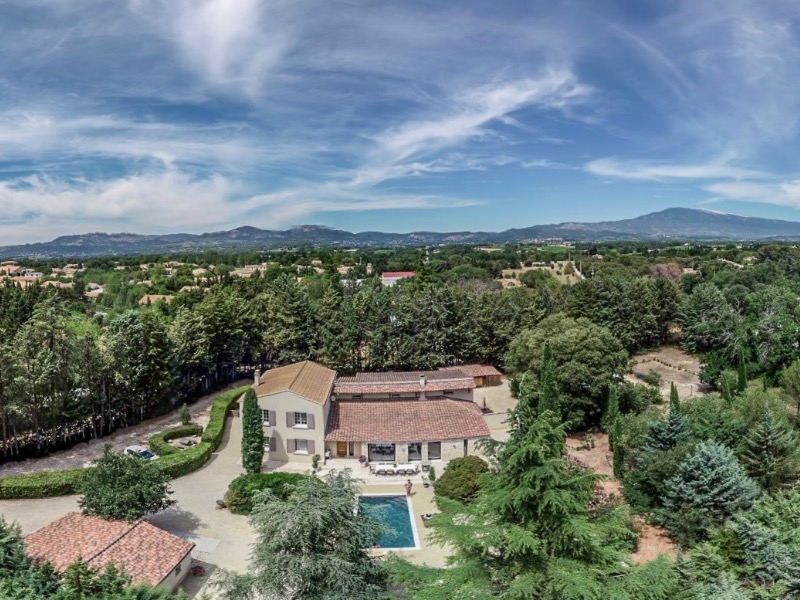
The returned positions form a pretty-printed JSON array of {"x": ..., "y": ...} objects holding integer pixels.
[{"x": 393, "y": 513}]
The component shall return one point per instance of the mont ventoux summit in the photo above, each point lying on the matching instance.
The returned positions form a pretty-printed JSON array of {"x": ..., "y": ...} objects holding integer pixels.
[{"x": 672, "y": 223}]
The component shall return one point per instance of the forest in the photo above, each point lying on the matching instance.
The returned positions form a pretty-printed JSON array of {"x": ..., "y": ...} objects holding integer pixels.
[{"x": 717, "y": 472}]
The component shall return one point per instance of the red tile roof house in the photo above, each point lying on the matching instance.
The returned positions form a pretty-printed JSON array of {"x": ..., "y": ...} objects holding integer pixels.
[
  {"x": 391, "y": 277},
  {"x": 398, "y": 417},
  {"x": 143, "y": 551}
]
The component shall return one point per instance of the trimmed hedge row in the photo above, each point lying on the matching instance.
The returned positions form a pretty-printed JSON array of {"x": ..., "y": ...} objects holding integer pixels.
[
  {"x": 47, "y": 484},
  {"x": 219, "y": 411},
  {"x": 44, "y": 484},
  {"x": 159, "y": 442}
]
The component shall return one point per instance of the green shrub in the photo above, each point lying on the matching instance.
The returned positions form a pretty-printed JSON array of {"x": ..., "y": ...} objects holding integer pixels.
[
  {"x": 461, "y": 478},
  {"x": 239, "y": 497},
  {"x": 44, "y": 484},
  {"x": 219, "y": 411},
  {"x": 159, "y": 442},
  {"x": 184, "y": 462}
]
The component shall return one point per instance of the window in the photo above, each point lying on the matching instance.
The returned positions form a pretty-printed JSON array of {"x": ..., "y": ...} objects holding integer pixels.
[
  {"x": 265, "y": 417},
  {"x": 415, "y": 451},
  {"x": 434, "y": 450},
  {"x": 395, "y": 396},
  {"x": 301, "y": 446},
  {"x": 300, "y": 419},
  {"x": 177, "y": 570},
  {"x": 448, "y": 392},
  {"x": 358, "y": 396}
]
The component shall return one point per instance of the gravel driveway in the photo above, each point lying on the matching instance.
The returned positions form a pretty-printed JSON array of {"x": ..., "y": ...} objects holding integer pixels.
[{"x": 78, "y": 455}]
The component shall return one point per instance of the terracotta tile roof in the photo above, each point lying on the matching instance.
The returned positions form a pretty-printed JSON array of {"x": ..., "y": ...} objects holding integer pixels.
[
  {"x": 143, "y": 551},
  {"x": 153, "y": 298},
  {"x": 397, "y": 274},
  {"x": 402, "y": 420},
  {"x": 307, "y": 379},
  {"x": 397, "y": 383},
  {"x": 473, "y": 370}
]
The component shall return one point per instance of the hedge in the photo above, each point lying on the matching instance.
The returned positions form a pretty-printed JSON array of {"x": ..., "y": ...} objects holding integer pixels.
[
  {"x": 219, "y": 411},
  {"x": 239, "y": 497},
  {"x": 159, "y": 442},
  {"x": 47, "y": 484},
  {"x": 44, "y": 484}
]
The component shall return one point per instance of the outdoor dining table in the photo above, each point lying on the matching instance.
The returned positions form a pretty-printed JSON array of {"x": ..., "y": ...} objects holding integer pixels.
[{"x": 394, "y": 469}]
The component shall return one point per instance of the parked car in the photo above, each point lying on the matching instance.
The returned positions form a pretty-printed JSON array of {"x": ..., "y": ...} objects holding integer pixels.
[{"x": 140, "y": 452}]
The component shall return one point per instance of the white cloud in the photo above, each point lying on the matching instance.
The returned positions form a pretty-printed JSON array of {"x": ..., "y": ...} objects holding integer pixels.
[
  {"x": 473, "y": 109},
  {"x": 784, "y": 193},
  {"x": 651, "y": 171}
]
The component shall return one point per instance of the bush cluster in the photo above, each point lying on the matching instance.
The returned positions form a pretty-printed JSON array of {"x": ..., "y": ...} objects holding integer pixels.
[
  {"x": 44, "y": 484},
  {"x": 461, "y": 478},
  {"x": 159, "y": 443},
  {"x": 239, "y": 497},
  {"x": 219, "y": 411}
]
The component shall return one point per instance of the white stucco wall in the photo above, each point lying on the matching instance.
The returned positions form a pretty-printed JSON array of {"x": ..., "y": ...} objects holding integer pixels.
[
  {"x": 173, "y": 580},
  {"x": 282, "y": 403}
]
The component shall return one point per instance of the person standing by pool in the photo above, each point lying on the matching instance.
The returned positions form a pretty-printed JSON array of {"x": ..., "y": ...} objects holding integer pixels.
[{"x": 409, "y": 485}]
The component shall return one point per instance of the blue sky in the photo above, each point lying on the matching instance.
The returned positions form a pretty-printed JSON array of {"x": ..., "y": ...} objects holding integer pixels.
[{"x": 176, "y": 115}]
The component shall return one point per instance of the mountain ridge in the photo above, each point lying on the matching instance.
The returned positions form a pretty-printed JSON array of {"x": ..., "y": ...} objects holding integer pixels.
[{"x": 672, "y": 223}]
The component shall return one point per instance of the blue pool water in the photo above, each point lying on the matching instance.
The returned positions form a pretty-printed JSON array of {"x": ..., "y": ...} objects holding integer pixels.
[{"x": 392, "y": 512}]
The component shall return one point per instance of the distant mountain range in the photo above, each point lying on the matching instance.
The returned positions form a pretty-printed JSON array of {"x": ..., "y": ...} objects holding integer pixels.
[{"x": 672, "y": 223}]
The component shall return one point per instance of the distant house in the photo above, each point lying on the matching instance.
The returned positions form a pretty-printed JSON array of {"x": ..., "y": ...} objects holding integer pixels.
[
  {"x": 392, "y": 277},
  {"x": 149, "y": 299},
  {"x": 398, "y": 417},
  {"x": 484, "y": 375},
  {"x": 143, "y": 551}
]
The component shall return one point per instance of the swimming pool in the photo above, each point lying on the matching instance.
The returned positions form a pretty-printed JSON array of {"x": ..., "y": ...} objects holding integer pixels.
[{"x": 394, "y": 512}]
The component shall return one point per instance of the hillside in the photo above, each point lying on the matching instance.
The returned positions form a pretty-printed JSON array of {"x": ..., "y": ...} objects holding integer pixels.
[{"x": 672, "y": 223}]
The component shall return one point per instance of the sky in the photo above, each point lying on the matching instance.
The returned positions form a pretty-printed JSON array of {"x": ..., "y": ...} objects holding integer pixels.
[{"x": 156, "y": 116}]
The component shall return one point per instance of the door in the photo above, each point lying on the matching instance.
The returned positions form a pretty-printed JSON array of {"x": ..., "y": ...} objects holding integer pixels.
[{"x": 341, "y": 448}]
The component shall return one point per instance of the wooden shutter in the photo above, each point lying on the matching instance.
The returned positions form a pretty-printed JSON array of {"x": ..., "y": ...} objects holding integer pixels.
[
  {"x": 290, "y": 446},
  {"x": 310, "y": 419},
  {"x": 272, "y": 444},
  {"x": 273, "y": 418},
  {"x": 290, "y": 419},
  {"x": 311, "y": 446}
]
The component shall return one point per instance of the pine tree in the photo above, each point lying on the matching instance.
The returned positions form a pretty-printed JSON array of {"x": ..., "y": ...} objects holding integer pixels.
[
  {"x": 252, "y": 433},
  {"x": 709, "y": 488},
  {"x": 771, "y": 456},
  {"x": 667, "y": 433},
  {"x": 612, "y": 409},
  {"x": 741, "y": 373}
]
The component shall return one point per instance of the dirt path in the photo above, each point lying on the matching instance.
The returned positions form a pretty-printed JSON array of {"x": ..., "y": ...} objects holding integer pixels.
[
  {"x": 653, "y": 541},
  {"x": 139, "y": 434},
  {"x": 674, "y": 366}
]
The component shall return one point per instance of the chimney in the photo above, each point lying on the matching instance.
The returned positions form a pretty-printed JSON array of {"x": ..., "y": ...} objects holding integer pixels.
[
  {"x": 257, "y": 377},
  {"x": 422, "y": 383}
]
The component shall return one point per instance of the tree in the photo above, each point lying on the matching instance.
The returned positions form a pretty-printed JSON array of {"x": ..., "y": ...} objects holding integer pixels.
[
  {"x": 710, "y": 487},
  {"x": 548, "y": 388},
  {"x": 252, "y": 433},
  {"x": 674, "y": 399},
  {"x": 587, "y": 359},
  {"x": 311, "y": 546},
  {"x": 124, "y": 487},
  {"x": 790, "y": 382},
  {"x": 666, "y": 434},
  {"x": 612, "y": 413},
  {"x": 771, "y": 456},
  {"x": 461, "y": 479},
  {"x": 708, "y": 322},
  {"x": 741, "y": 372}
]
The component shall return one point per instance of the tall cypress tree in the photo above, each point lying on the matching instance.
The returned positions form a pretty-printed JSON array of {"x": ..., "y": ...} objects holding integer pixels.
[
  {"x": 674, "y": 399},
  {"x": 727, "y": 394},
  {"x": 548, "y": 388},
  {"x": 741, "y": 373},
  {"x": 252, "y": 433},
  {"x": 612, "y": 415}
]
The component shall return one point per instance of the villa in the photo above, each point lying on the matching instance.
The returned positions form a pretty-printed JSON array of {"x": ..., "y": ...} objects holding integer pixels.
[{"x": 420, "y": 416}]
